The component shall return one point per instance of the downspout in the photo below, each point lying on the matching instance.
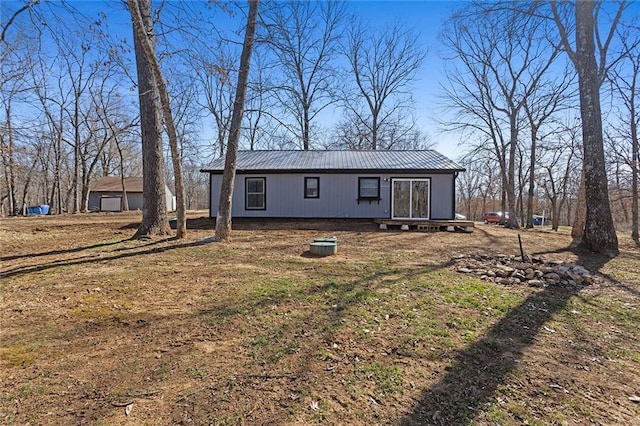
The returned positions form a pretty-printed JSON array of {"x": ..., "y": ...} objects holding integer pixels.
[{"x": 453, "y": 196}]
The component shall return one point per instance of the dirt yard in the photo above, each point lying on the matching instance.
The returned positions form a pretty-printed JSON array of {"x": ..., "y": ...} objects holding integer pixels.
[{"x": 98, "y": 329}]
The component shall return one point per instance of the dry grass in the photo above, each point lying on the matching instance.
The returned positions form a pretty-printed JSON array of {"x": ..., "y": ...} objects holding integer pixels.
[{"x": 258, "y": 332}]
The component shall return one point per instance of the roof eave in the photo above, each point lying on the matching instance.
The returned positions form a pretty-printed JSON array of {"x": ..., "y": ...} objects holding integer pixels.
[{"x": 345, "y": 171}]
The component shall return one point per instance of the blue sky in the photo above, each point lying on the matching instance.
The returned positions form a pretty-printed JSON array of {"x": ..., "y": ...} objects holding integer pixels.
[{"x": 425, "y": 16}]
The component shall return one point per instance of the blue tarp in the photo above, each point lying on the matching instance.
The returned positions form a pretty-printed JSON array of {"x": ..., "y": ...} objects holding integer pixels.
[{"x": 41, "y": 209}]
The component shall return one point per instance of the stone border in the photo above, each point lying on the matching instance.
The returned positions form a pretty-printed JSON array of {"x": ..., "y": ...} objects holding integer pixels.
[{"x": 535, "y": 272}]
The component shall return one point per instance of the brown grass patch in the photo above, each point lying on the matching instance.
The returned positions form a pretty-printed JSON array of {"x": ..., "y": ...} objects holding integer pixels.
[{"x": 255, "y": 332}]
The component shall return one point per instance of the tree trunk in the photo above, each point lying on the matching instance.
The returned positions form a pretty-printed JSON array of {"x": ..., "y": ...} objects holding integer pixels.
[
  {"x": 504, "y": 204},
  {"x": 599, "y": 234},
  {"x": 125, "y": 199},
  {"x": 577, "y": 228},
  {"x": 555, "y": 213},
  {"x": 374, "y": 131},
  {"x": 27, "y": 183},
  {"x": 532, "y": 176},
  {"x": 634, "y": 192},
  {"x": 305, "y": 127},
  {"x": 635, "y": 164},
  {"x": 8, "y": 162},
  {"x": 56, "y": 193},
  {"x": 54, "y": 207},
  {"x": 76, "y": 150},
  {"x": 154, "y": 206},
  {"x": 85, "y": 198},
  {"x": 511, "y": 184},
  {"x": 223, "y": 218},
  {"x": 146, "y": 43}
]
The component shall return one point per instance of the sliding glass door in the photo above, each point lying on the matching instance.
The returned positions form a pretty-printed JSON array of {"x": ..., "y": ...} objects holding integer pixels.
[{"x": 410, "y": 199}]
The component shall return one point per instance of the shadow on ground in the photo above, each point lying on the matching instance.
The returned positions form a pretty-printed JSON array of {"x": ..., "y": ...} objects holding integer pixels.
[
  {"x": 477, "y": 371},
  {"x": 158, "y": 246},
  {"x": 61, "y": 252},
  {"x": 251, "y": 224}
]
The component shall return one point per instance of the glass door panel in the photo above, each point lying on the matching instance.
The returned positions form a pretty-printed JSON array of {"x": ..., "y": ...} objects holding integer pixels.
[
  {"x": 401, "y": 198},
  {"x": 420, "y": 199}
]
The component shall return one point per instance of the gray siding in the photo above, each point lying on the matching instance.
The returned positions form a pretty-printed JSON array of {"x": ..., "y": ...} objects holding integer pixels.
[
  {"x": 338, "y": 196},
  {"x": 94, "y": 201},
  {"x": 134, "y": 199},
  {"x": 442, "y": 197}
]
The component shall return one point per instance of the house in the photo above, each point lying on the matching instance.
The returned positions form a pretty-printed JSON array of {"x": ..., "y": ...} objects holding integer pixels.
[
  {"x": 106, "y": 194},
  {"x": 408, "y": 185}
]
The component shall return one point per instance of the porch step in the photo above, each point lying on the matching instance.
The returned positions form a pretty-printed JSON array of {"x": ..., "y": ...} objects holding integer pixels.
[{"x": 426, "y": 225}]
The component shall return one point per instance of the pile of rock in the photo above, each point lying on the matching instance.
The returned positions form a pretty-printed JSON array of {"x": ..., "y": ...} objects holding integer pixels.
[{"x": 511, "y": 270}]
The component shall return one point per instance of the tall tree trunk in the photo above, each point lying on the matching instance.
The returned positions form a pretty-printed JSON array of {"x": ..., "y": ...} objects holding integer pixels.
[
  {"x": 305, "y": 127},
  {"x": 503, "y": 200},
  {"x": 223, "y": 218},
  {"x": 85, "y": 198},
  {"x": 577, "y": 227},
  {"x": 532, "y": 176},
  {"x": 76, "y": 151},
  {"x": 145, "y": 39},
  {"x": 125, "y": 198},
  {"x": 599, "y": 233},
  {"x": 374, "y": 131},
  {"x": 53, "y": 205},
  {"x": 27, "y": 183},
  {"x": 154, "y": 205},
  {"x": 635, "y": 164},
  {"x": 511, "y": 184},
  {"x": 56, "y": 193},
  {"x": 555, "y": 213},
  {"x": 8, "y": 162}
]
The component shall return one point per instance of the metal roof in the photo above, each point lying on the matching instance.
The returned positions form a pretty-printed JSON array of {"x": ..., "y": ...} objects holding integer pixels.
[
  {"x": 300, "y": 161},
  {"x": 114, "y": 184}
]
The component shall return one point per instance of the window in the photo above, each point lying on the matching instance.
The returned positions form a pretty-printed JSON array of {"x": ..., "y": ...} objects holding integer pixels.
[
  {"x": 369, "y": 188},
  {"x": 312, "y": 187},
  {"x": 255, "y": 193}
]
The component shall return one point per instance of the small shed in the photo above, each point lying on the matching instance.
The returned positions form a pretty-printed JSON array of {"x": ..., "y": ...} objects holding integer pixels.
[
  {"x": 397, "y": 185},
  {"x": 106, "y": 194}
]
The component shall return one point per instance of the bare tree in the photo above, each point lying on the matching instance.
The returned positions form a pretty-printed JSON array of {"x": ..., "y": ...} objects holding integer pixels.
[
  {"x": 214, "y": 75},
  {"x": 223, "y": 218},
  {"x": 154, "y": 215},
  {"x": 13, "y": 84},
  {"x": 304, "y": 38},
  {"x": 470, "y": 186},
  {"x": 53, "y": 99},
  {"x": 626, "y": 85},
  {"x": 505, "y": 56},
  {"x": 384, "y": 66},
  {"x": 187, "y": 115},
  {"x": 260, "y": 98},
  {"x": 548, "y": 98},
  {"x": 68, "y": 70},
  {"x": 600, "y": 233},
  {"x": 557, "y": 161},
  {"x": 84, "y": 65},
  {"x": 116, "y": 125},
  {"x": 6, "y": 25},
  {"x": 145, "y": 41},
  {"x": 81, "y": 74}
]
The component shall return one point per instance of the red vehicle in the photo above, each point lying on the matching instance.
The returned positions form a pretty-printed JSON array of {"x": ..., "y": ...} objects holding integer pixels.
[{"x": 494, "y": 217}]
